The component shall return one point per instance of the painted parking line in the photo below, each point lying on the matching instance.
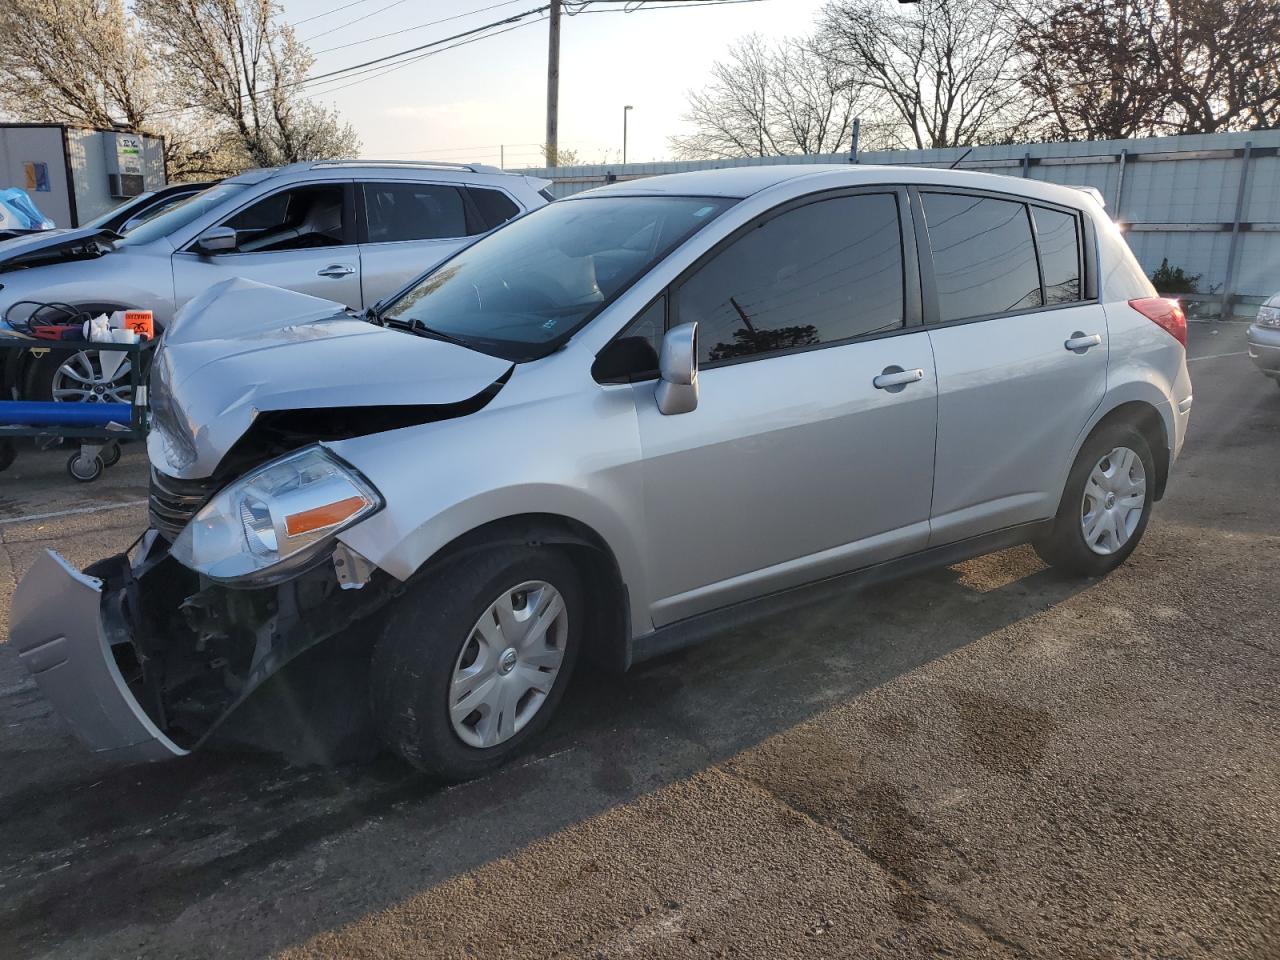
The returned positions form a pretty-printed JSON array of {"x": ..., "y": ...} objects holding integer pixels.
[
  {"x": 98, "y": 508},
  {"x": 1219, "y": 356}
]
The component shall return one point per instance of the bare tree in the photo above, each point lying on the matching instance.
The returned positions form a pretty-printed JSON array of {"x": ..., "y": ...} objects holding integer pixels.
[
  {"x": 947, "y": 69},
  {"x": 773, "y": 100},
  {"x": 235, "y": 63},
  {"x": 1219, "y": 63},
  {"x": 1109, "y": 69},
  {"x": 1090, "y": 63},
  {"x": 75, "y": 61}
]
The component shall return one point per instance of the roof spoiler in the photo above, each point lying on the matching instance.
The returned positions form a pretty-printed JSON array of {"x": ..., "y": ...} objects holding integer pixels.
[{"x": 1091, "y": 191}]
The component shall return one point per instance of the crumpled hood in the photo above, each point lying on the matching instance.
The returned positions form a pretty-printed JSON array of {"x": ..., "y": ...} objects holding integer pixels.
[
  {"x": 243, "y": 348},
  {"x": 55, "y": 246}
]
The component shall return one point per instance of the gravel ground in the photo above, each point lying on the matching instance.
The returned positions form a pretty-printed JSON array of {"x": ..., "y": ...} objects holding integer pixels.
[{"x": 985, "y": 761}]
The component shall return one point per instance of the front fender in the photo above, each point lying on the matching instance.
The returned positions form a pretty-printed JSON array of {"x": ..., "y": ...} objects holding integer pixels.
[{"x": 576, "y": 456}]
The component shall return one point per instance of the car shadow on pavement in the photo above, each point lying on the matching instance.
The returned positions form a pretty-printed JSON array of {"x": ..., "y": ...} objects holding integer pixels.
[{"x": 90, "y": 852}]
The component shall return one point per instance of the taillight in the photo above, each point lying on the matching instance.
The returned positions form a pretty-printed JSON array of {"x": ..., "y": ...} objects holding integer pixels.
[{"x": 1166, "y": 313}]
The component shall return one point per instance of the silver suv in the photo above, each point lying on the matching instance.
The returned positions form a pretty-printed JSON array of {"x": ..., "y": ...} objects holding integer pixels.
[
  {"x": 615, "y": 426},
  {"x": 351, "y": 231}
]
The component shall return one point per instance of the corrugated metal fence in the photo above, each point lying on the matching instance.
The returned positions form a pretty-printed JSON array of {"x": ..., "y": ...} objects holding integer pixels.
[{"x": 1209, "y": 203}]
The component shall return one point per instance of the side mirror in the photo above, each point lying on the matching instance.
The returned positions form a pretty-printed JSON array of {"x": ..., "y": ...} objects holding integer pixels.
[
  {"x": 217, "y": 240},
  {"x": 678, "y": 370}
]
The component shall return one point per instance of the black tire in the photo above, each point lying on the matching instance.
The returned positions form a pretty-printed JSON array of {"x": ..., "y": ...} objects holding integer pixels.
[
  {"x": 1064, "y": 546},
  {"x": 78, "y": 470},
  {"x": 8, "y": 454},
  {"x": 110, "y": 454},
  {"x": 425, "y": 633}
]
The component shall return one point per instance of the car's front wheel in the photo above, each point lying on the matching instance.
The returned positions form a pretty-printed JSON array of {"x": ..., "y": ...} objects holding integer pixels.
[
  {"x": 1105, "y": 506},
  {"x": 472, "y": 666}
]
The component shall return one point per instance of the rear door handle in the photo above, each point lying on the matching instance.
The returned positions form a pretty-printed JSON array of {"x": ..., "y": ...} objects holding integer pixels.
[
  {"x": 896, "y": 377},
  {"x": 337, "y": 270},
  {"x": 1079, "y": 342}
]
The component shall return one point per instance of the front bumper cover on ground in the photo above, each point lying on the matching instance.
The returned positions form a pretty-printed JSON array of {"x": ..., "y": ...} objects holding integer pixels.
[{"x": 59, "y": 631}]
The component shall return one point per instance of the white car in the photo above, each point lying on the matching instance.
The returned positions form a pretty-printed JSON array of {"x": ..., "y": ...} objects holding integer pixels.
[{"x": 351, "y": 231}]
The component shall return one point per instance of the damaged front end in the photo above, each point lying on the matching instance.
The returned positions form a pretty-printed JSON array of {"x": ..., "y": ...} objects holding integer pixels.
[
  {"x": 145, "y": 659},
  {"x": 243, "y": 569}
]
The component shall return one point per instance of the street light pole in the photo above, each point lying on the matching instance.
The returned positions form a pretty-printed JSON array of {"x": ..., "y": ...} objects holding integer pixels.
[{"x": 625, "y": 109}]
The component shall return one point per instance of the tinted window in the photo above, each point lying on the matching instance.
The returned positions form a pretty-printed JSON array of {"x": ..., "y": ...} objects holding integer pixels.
[
  {"x": 1058, "y": 236},
  {"x": 823, "y": 272},
  {"x": 297, "y": 219},
  {"x": 495, "y": 206},
  {"x": 984, "y": 260},
  {"x": 414, "y": 211},
  {"x": 522, "y": 291}
]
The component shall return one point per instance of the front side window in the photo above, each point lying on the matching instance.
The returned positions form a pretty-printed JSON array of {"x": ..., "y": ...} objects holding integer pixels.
[
  {"x": 298, "y": 219},
  {"x": 820, "y": 273},
  {"x": 1058, "y": 235},
  {"x": 522, "y": 291},
  {"x": 984, "y": 258},
  {"x": 414, "y": 211}
]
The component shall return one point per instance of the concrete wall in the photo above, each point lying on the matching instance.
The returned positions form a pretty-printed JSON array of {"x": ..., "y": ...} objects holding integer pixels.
[{"x": 1177, "y": 195}]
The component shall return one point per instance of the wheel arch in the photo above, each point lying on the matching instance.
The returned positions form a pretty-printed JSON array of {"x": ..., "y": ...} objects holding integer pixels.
[
  {"x": 1147, "y": 418},
  {"x": 609, "y": 628}
]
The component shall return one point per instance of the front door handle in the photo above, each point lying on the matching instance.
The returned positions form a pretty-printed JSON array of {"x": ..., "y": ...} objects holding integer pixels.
[
  {"x": 895, "y": 378},
  {"x": 337, "y": 270},
  {"x": 1080, "y": 342}
]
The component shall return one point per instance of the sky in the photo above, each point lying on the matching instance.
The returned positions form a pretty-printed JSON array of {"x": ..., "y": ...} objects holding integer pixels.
[{"x": 466, "y": 104}]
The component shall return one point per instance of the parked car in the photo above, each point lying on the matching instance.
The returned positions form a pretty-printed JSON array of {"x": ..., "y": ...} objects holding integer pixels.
[
  {"x": 350, "y": 231},
  {"x": 1263, "y": 338},
  {"x": 612, "y": 428}
]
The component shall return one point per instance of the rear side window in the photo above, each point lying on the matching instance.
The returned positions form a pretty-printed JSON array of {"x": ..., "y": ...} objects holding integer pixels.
[
  {"x": 495, "y": 207},
  {"x": 414, "y": 211},
  {"x": 1058, "y": 235},
  {"x": 984, "y": 257},
  {"x": 821, "y": 273}
]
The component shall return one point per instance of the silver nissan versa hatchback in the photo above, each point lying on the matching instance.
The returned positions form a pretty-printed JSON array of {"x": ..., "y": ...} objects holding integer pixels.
[{"x": 607, "y": 430}]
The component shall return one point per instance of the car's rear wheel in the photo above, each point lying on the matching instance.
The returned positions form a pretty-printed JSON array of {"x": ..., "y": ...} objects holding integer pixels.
[
  {"x": 472, "y": 666},
  {"x": 1105, "y": 506}
]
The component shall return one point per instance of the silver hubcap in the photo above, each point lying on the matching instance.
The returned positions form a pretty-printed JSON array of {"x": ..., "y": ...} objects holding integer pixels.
[
  {"x": 508, "y": 664},
  {"x": 1114, "y": 496},
  {"x": 80, "y": 380}
]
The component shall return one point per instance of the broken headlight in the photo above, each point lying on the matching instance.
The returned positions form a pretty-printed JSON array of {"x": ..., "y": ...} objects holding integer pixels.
[{"x": 275, "y": 519}]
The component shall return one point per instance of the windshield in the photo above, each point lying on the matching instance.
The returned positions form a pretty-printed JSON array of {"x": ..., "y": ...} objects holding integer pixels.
[
  {"x": 125, "y": 207},
  {"x": 180, "y": 214},
  {"x": 522, "y": 291}
]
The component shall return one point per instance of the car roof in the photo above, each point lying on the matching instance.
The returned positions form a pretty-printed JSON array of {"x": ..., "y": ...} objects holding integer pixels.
[
  {"x": 384, "y": 169},
  {"x": 742, "y": 182}
]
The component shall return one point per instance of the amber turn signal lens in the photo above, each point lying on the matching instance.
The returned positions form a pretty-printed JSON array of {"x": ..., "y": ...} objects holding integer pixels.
[{"x": 318, "y": 518}]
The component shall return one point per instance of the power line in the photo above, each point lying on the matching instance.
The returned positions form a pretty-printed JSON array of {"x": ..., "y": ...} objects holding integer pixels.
[
  {"x": 347, "y": 23},
  {"x": 420, "y": 26},
  {"x": 326, "y": 13}
]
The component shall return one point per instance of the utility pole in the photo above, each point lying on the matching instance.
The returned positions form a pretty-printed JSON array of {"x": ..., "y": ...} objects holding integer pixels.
[
  {"x": 553, "y": 87},
  {"x": 624, "y": 132}
]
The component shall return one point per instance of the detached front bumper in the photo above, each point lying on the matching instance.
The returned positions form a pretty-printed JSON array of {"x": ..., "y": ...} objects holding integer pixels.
[
  {"x": 62, "y": 636},
  {"x": 147, "y": 664},
  {"x": 1264, "y": 348}
]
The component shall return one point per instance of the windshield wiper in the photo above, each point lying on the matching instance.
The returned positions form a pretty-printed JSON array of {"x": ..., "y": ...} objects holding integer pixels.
[{"x": 422, "y": 330}]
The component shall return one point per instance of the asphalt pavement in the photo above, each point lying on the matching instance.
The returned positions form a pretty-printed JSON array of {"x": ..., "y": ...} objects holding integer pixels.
[{"x": 985, "y": 761}]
